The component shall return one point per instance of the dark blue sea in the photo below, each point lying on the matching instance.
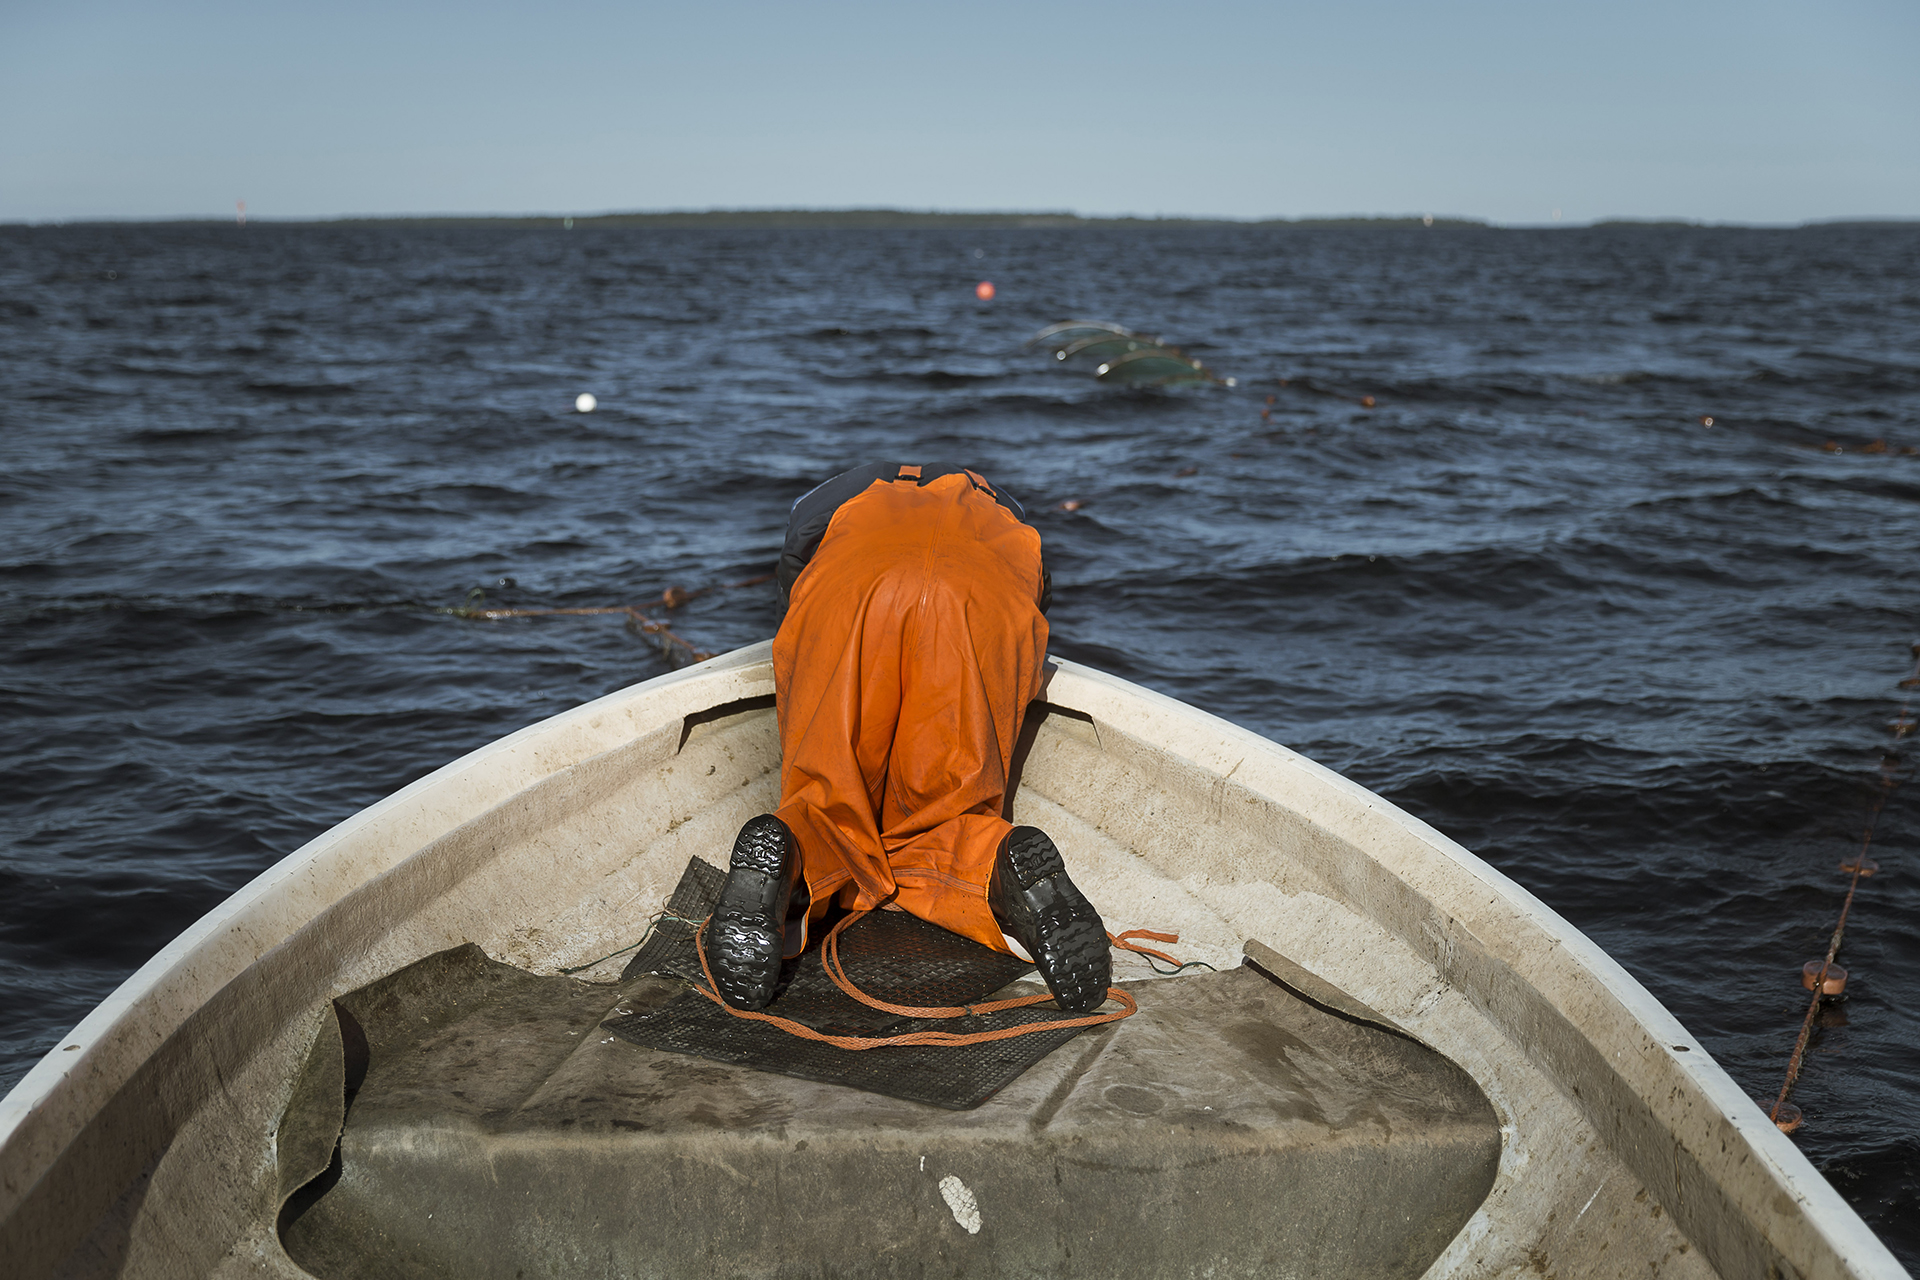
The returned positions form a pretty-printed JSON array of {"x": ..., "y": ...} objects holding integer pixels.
[{"x": 1643, "y": 665}]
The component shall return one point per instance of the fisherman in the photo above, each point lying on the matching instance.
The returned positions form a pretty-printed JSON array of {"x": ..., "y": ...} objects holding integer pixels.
[{"x": 912, "y": 639}]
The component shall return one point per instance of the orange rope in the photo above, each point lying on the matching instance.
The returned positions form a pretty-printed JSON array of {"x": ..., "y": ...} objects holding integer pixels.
[
  {"x": 830, "y": 959},
  {"x": 1125, "y": 942}
]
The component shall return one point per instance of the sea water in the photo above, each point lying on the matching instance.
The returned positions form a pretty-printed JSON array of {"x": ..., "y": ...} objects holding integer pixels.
[{"x": 1644, "y": 665}]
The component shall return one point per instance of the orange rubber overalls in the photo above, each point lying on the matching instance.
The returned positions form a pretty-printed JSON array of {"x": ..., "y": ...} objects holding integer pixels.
[{"x": 912, "y": 644}]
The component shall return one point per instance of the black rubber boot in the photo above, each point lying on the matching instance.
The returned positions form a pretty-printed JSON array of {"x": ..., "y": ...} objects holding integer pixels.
[
  {"x": 1041, "y": 909},
  {"x": 747, "y": 932}
]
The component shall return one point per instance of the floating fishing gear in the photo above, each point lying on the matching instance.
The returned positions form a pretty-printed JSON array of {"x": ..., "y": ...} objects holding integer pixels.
[
  {"x": 1309, "y": 386},
  {"x": 675, "y": 648},
  {"x": 1825, "y": 979},
  {"x": 1123, "y": 357}
]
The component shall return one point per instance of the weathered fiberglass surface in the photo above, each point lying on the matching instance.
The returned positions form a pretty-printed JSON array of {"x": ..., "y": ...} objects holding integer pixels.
[{"x": 492, "y": 1128}]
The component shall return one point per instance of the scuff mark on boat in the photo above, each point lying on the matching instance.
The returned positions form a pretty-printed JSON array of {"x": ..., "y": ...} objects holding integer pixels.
[
  {"x": 966, "y": 1210},
  {"x": 1590, "y": 1199}
]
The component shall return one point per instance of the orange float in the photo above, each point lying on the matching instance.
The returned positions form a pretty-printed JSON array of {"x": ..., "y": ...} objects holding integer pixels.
[{"x": 1836, "y": 979}]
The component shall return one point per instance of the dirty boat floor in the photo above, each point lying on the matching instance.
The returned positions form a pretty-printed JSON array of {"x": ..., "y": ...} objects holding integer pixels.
[
  {"x": 465, "y": 1118},
  {"x": 897, "y": 958},
  {"x": 891, "y": 955}
]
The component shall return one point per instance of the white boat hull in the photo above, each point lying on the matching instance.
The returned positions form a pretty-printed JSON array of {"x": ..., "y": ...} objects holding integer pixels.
[{"x": 143, "y": 1143}]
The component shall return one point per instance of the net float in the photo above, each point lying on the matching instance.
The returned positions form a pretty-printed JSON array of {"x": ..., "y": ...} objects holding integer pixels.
[{"x": 1835, "y": 982}]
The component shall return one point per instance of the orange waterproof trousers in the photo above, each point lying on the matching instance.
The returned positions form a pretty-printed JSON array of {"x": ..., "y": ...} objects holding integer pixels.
[{"x": 912, "y": 644}]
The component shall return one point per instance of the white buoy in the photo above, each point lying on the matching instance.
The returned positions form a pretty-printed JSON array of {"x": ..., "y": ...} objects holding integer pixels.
[{"x": 585, "y": 402}]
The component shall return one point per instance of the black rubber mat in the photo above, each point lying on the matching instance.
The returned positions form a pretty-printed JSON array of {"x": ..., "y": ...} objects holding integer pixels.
[
  {"x": 669, "y": 948},
  {"x": 890, "y": 955}
]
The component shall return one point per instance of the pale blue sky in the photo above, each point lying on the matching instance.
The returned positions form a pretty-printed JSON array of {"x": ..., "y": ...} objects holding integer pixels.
[{"x": 1764, "y": 111}]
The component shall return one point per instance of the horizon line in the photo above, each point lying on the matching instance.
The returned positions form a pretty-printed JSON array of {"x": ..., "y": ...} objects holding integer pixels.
[{"x": 870, "y": 216}]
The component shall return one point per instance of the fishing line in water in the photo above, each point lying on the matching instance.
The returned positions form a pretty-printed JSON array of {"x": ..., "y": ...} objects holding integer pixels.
[
  {"x": 674, "y": 647},
  {"x": 1823, "y": 977}
]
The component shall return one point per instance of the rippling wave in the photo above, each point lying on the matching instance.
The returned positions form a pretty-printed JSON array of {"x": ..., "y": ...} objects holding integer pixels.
[{"x": 1642, "y": 664}]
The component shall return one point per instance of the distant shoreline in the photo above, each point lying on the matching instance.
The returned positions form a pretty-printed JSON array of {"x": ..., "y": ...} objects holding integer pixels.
[
  {"x": 775, "y": 219},
  {"x": 890, "y": 219},
  {"x": 900, "y": 219}
]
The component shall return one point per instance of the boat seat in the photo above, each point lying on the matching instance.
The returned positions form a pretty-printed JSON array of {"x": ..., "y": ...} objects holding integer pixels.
[{"x": 467, "y": 1118}]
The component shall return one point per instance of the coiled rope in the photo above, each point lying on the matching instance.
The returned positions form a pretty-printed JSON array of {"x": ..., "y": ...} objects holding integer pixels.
[{"x": 830, "y": 961}]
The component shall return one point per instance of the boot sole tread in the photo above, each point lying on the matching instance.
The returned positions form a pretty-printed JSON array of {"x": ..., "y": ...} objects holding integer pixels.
[
  {"x": 1071, "y": 951},
  {"x": 1033, "y": 856},
  {"x": 744, "y": 941}
]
